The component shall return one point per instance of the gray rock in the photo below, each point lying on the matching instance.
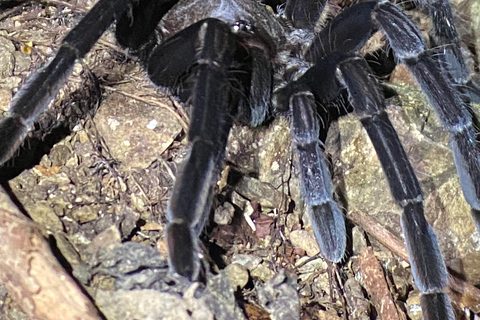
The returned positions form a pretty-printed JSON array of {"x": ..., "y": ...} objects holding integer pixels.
[{"x": 280, "y": 298}]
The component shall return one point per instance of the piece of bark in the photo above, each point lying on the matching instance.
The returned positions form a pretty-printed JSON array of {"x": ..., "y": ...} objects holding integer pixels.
[
  {"x": 377, "y": 287},
  {"x": 32, "y": 275}
]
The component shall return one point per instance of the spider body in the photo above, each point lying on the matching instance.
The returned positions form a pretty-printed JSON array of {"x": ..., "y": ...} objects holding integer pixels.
[
  {"x": 231, "y": 12},
  {"x": 233, "y": 60}
]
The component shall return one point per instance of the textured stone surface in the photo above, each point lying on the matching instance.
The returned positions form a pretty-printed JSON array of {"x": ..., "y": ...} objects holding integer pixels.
[{"x": 136, "y": 133}]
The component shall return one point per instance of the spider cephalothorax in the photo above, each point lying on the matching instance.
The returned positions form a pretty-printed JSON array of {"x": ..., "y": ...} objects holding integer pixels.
[{"x": 236, "y": 60}]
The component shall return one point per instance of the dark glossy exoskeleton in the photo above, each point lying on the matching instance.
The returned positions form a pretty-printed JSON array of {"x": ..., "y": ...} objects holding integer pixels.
[{"x": 233, "y": 60}]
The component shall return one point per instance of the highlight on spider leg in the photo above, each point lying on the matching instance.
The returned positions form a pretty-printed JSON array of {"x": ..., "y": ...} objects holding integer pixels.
[{"x": 326, "y": 218}]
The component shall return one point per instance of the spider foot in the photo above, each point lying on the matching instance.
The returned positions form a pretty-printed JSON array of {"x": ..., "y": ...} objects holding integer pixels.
[
  {"x": 183, "y": 249},
  {"x": 436, "y": 306},
  {"x": 12, "y": 130},
  {"x": 329, "y": 228}
]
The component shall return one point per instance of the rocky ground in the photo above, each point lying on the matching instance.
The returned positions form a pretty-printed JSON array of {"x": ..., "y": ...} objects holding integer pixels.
[{"x": 96, "y": 172}]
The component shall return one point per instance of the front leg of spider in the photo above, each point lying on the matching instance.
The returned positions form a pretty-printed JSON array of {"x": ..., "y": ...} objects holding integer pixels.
[
  {"x": 200, "y": 75},
  {"x": 298, "y": 102},
  {"x": 204, "y": 54},
  {"x": 328, "y": 224},
  {"x": 41, "y": 89}
]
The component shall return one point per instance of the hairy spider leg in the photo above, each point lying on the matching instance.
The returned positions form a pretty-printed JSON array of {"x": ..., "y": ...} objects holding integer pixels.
[
  {"x": 453, "y": 62},
  {"x": 428, "y": 266},
  {"x": 319, "y": 86},
  {"x": 135, "y": 29},
  {"x": 347, "y": 33},
  {"x": 202, "y": 55},
  {"x": 451, "y": 59},
  {"x": 327, "y": 220},
  {"x": 39, "y": 91},
  {"x": 455, "y": 116},
  {"x": 196, "y": 65},
  {"x": 297, "y": 101},
  {"x": 369, "y": 106},
  {"x": 255, "y": 109},
  {"x": 255, "y": 73}
]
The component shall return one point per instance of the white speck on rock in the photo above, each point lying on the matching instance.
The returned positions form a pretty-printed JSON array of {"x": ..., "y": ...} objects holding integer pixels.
[
  {"x": 275, "y": 165},
  {"x": 113, "y": 124},
  {"x": 152, "y": 124}
]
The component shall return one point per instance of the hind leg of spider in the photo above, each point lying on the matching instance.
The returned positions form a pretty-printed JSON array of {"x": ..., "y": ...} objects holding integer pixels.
[
  {"x": 451, "y": 59},
  {"x": 428, "y": 267}
]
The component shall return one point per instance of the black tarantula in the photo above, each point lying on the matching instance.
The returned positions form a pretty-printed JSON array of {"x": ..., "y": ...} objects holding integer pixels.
[{"x": 236, "y": 60}]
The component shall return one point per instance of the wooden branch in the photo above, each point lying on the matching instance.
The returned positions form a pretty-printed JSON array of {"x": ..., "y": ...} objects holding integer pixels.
[{"x": 32, "y": 275}]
